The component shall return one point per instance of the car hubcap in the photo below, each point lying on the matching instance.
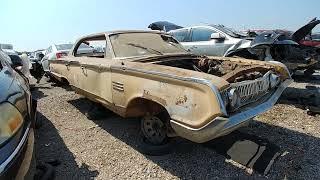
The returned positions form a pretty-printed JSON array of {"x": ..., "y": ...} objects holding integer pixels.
[{"x": 154, "y": 129}]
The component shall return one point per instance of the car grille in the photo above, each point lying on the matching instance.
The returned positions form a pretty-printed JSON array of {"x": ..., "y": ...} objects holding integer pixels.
[{"x": 252, "y": 90}]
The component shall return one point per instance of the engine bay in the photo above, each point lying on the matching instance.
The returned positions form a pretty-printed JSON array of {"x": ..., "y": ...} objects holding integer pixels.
[{"x": 229, "y": 70}]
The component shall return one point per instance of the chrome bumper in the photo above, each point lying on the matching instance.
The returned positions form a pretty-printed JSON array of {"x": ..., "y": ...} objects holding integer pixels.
[{"x": 223, "y": 125}]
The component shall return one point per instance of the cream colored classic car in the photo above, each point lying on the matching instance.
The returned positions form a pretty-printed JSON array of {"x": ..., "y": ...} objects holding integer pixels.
[{"x": 148, "y": 74}]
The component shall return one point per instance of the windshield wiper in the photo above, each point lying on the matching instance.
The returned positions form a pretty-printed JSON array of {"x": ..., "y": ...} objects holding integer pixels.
[{"x": 145, "y": 48}]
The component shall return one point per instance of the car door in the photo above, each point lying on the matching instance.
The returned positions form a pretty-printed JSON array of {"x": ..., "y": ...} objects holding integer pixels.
[
  {"x": 202, "y": 44},
  {"x": 90, "y": 70}
]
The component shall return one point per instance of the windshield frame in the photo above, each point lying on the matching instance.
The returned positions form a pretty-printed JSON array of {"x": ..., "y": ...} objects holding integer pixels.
[{"x": 177, "y": 45}]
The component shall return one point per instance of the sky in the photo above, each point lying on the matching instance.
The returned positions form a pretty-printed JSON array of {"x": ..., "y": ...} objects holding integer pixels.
[{"x": 35, "y": 24}]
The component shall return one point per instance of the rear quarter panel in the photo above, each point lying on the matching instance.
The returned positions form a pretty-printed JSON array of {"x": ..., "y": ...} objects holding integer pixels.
[{"x": 187, "y": 102}]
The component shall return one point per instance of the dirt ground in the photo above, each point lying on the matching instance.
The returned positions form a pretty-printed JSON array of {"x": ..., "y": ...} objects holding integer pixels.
[{"x": 107, "y": 149}]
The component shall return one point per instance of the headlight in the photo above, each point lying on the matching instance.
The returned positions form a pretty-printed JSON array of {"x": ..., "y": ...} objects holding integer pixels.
[
  {"x": 234, "y": 98},
  {"x": 10, "y": 121},
  {"x": 274, "y": 80},
  {"x": 231, "y": 98}
]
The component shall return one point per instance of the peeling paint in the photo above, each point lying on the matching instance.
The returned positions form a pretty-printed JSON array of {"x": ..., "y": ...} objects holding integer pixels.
[{"x": 181, "y": 100}]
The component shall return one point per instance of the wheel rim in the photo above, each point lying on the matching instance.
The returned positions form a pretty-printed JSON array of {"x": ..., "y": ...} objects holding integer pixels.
[{"x": 154, "y": 129}]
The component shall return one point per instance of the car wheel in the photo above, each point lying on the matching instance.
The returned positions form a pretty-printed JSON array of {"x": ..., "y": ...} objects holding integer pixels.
[
  {"x": 154, "y": 129},
  {"x": 154, "y": 140},
  {"x": 146, "y": 147}
]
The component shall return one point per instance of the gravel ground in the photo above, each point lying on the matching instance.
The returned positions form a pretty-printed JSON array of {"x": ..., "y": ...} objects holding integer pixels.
[{"x": 107, "y": 149}]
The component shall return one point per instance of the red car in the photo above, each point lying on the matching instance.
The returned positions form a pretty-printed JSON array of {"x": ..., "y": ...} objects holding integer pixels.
[{"x": 313, "y": 40}]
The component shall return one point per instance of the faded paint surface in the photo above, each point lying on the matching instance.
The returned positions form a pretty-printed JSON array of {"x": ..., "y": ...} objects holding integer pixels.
[{"x": 127, "y": 86}]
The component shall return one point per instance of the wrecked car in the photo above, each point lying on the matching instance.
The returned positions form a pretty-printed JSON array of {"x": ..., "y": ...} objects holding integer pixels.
[
  {"x": 17, "y": 122},
  {"x": 311, "y": 40},
  {"x": 283, "y": 46},
  {"x": 210, "y": 40},
  {"x": 148, "y": 74}
]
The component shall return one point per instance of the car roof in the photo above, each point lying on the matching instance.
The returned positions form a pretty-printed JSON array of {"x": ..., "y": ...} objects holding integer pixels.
[{"x": 123, "y": 32}]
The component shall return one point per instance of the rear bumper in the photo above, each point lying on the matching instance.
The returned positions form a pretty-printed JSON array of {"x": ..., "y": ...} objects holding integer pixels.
[
  {"x": 21, "y": 163},
  {"x": 223, "y": 125}
]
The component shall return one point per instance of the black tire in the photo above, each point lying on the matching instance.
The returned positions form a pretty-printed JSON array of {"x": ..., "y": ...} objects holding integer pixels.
[{"x": 145, "y": 147}]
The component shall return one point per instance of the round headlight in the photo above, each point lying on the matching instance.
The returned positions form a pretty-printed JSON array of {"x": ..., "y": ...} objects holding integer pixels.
[
  {"x": 234, "y": 98},
  {"x": 274, "y": 80}
]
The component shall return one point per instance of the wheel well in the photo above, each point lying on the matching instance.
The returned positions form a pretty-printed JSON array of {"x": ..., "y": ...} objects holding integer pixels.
[
  {"x": 64, "y": 81},
  {"x": 140, "y": 107}
]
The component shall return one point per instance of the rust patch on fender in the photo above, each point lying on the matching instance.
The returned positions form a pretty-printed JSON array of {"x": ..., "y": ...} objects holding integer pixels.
[{"x": 181, "y": 100}]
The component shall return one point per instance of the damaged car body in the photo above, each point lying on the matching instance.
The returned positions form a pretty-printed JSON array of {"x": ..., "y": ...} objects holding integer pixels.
[
  {"x": 149, "y": 74},
  {"x": 283, "y": 46}
]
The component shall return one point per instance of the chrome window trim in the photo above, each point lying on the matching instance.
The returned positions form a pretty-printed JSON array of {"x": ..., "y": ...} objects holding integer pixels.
[{"x": 15, "y": 152}]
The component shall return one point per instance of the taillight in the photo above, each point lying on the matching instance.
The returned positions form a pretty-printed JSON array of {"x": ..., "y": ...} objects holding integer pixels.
[{"x": 60, "y": 54}]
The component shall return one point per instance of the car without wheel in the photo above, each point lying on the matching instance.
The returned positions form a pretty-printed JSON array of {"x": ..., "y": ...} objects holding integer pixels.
[{"x": 148, "y": 74}]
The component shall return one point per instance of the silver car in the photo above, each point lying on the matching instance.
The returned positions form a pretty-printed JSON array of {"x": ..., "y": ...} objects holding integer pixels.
[
  {"x": 57, "y": 51},
  {"x": 211, "y": 40}
]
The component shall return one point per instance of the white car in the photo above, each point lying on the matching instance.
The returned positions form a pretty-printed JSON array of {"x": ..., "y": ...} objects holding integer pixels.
[
  {"x": 37, "y": 55},
  {"x": 57, "y": 51},
  {"x": 211, "y": 40}
]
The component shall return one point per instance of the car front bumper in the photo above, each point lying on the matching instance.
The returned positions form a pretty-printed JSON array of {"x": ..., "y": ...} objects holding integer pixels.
[
  {"x": 224, "y": 125},
  {"x": 21, "y": 163}
]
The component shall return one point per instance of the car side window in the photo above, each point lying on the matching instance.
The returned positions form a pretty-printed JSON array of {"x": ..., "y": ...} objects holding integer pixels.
[
  {"x": 92, "y": 47},
  {"x": 201, "y": 34},
  {"x": 180, "y": 35}
]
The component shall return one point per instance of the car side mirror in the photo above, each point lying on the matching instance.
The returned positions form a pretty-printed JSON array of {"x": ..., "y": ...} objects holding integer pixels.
[{"x": 217, "y": 36}]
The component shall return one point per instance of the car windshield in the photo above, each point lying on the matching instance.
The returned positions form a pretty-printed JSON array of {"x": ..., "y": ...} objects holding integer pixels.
[
  {"x": 142, "y": 44},
  {"x": 231, "y": 32}
]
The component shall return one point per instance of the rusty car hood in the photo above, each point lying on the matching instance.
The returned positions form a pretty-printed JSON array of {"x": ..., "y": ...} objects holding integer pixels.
[{"x": 162, "y": 70}]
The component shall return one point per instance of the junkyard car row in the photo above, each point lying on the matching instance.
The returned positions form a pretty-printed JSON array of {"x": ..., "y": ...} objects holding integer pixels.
[{"x": 198, "y": 83}]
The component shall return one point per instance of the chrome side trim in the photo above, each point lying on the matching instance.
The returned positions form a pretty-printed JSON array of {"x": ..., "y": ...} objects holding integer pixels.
[
  {"x": 15, "y": 152},
  {"x": 188, "y": 79}
]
